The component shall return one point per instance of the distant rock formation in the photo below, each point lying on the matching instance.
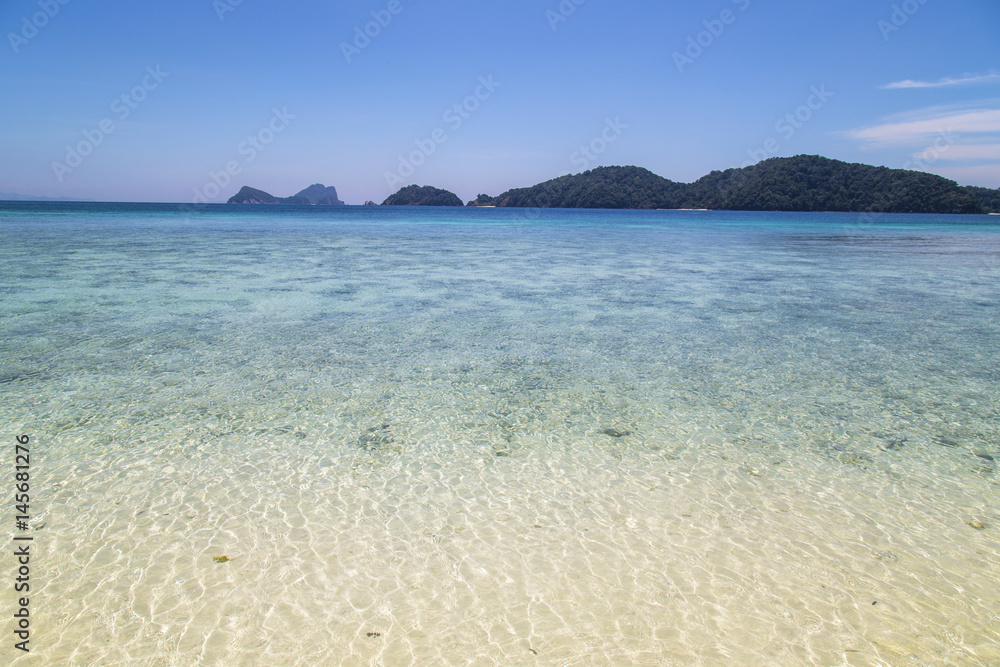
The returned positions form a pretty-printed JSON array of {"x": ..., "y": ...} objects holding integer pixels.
[
  {"x": 314, "y": 195},
  {"x": 248, "y": 195},
  {"x": 416, "y": 195},
  {"x": 321, "y": 195}
]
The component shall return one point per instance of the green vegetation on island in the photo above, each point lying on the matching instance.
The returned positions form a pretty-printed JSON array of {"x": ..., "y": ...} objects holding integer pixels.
[
  {"x": 801, "y": 183},
  {"x": 813, "y": 183},
  {"x": 604, "y": 187},
  {"x": 482, "y": 200},
  {"x": 416, "y": 195},
  {"x": 988, "y": 198}
]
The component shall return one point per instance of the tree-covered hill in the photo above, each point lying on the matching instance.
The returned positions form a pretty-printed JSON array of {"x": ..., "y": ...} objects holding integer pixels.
[
  {"x": 813, "y": 183},
  {"x": 802, "y": 183},
  {"x": 988, "y": 198},
  {"x": 416, "y": 195},
  {"x": 604, "y": 187}
]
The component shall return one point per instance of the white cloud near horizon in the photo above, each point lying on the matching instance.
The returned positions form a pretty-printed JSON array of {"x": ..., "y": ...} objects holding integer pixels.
[
  {"x": 958, "y": 142},
  {"x": 962, "y": 153},
  {"x": 920, "y": 126},
  {"x": 947, "y": 81},
  {"x": 984, "y": 175}
]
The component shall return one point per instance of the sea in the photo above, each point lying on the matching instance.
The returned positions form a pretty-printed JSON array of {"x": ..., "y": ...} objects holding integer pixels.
[{"x": 440, "y": 436}]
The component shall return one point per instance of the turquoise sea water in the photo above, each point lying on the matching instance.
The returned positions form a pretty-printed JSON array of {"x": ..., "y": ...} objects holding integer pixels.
[{"x": 502, "y": 436}]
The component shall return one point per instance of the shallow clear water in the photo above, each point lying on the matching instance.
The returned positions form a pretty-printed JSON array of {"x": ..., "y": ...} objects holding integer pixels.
[{"x": 504, "y": 436}]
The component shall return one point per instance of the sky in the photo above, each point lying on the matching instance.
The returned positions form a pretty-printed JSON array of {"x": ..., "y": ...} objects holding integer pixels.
[{"x": 189, "y": 100}]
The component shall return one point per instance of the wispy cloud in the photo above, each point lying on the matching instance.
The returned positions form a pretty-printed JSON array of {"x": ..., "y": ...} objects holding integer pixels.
[
  {"x": 984, "y": 175},
  {"x": 947, "y": 81},
  {"x": 963, "y": 153},
  {"x": 919, "y": 126}
]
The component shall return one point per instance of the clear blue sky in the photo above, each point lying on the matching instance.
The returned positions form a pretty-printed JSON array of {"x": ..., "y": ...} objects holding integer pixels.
[{"x": 902, "y": 84}]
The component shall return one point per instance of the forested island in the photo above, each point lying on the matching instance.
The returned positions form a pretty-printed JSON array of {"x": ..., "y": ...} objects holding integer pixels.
[
  {"x": 416, "y": 195},
  {"x": 989, "y": 199},
  {"x": 802, "y": 183}
]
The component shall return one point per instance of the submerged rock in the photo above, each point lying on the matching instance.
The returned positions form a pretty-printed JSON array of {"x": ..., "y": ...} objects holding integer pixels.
[
  {"x": 221, "y": 559},
  {"x": 976, "y": 523},
  {"x": 374, "y": 438},
  {"x": 986, "y": 465},
  {"x": 853, "y": 458},
  {"x": 945, "y": 441},
  {"x": 892, "y": 444}
]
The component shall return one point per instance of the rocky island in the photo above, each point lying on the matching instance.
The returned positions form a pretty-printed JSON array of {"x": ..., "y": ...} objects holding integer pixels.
[{"x": 315, "y": 195}]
